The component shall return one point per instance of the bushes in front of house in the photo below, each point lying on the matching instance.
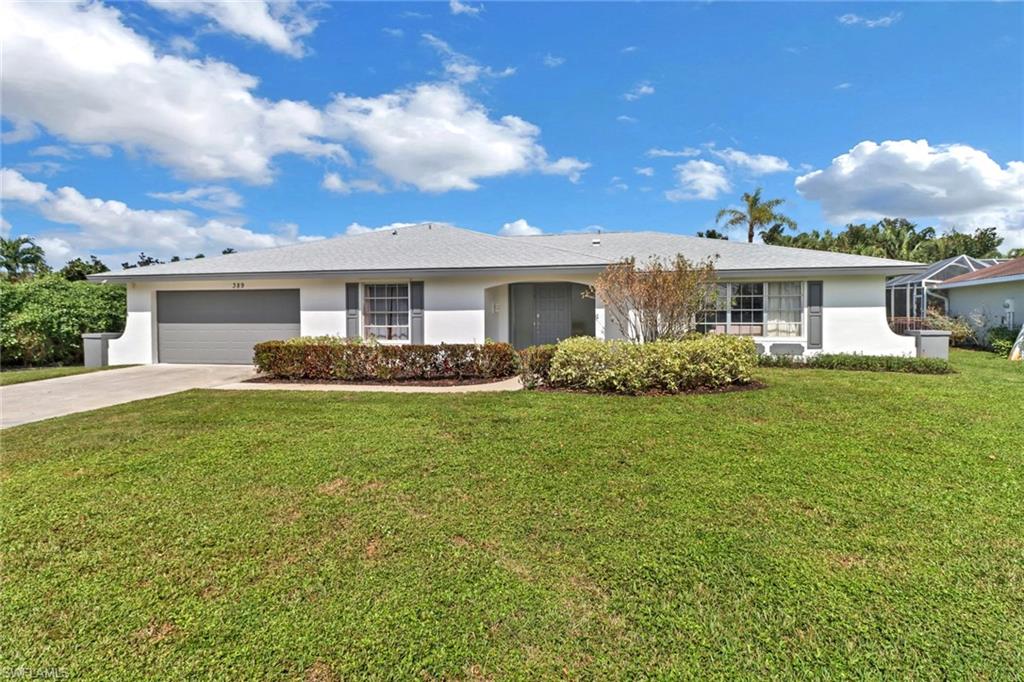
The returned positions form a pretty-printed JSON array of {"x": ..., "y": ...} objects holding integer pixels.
[
  {"x": 42, "y": 318},
  {"x": 697, "y": 363},
  {"x": 864, "y": 363},
  {"x": 1000, "y": 340},
  {"x": 337, "y": 359}
]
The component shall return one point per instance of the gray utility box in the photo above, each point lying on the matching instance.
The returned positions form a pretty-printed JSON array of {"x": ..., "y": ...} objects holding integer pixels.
[
  {"x": 931, "y": 343},
  {"x": 95, "y": 346}
]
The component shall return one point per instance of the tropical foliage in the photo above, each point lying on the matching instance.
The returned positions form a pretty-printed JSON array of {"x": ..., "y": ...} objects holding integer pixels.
[
  {"x": 21, "y": 257},
  {"x": 78, "y": 269},
  {"x": 759, "y": 216}
]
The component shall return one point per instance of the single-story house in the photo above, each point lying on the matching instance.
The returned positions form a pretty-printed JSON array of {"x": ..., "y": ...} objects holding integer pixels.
[
  {"x": 987, "y": 298},
  {"x": 434, "y": 283},
  {"x": 914, "y": 295}
]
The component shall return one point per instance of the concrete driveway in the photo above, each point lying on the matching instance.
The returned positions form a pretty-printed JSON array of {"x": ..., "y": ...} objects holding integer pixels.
[{"x": 37, "y": 400}]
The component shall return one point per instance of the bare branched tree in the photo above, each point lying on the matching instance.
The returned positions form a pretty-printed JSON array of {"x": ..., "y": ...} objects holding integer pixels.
[{"x": 657, "y": 299}]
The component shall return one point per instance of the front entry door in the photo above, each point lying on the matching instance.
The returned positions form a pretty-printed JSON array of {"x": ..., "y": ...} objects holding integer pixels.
[{"x": 552, "y": 308}]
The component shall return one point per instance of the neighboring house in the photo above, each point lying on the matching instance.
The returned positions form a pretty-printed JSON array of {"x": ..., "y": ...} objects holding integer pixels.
[
  {"x": 913, "y": 295},
  {"x": 434, "y": 283},
  {"x": 992, "y": 297}
]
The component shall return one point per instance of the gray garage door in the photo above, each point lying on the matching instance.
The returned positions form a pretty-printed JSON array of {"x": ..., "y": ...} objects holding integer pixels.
[{"x": 221, "y": 327}]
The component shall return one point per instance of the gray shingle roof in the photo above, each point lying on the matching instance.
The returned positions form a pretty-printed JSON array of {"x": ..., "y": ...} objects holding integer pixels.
[{"x": 435, "y": 246}]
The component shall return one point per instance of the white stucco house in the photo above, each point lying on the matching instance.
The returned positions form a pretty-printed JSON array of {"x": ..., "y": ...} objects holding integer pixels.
[
  {"x": 434, "y": 283},
  {"x": 989, "y": 297}
]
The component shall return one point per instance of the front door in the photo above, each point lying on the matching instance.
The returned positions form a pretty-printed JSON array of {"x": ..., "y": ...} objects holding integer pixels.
[{"x": 552, "y": 308}]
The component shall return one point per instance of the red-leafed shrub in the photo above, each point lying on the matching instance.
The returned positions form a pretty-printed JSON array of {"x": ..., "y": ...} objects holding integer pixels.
[{"x": 336, "y": 359}]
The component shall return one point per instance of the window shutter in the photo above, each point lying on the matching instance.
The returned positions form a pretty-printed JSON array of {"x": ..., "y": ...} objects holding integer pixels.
[
  {"x": 815, "y": 296},
  {"x": 352, "y": 310},
  {"x": 416, "y": 312}
]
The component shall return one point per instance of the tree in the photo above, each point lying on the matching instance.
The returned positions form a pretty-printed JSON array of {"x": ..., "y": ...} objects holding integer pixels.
[
  {"x": 228, "y": 251},
  {"x": 657, "y": 300},
  {"x": 758, "y": 216},
  {"x": 143, "y": 261},
  {"x": 713, "y": 234},
  {"x": 22, "y": 257},
  {"x": 77, "y": 269}
]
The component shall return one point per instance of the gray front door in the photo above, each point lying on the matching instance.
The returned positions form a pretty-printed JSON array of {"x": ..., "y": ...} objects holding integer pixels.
[
  {"x": 552, "y": 308},
  {"x": 221, "y": 327}
]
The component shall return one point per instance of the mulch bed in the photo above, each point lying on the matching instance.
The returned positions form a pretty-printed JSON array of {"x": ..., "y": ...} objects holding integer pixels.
[
  {"x": 731, "y": 388},
  {"x": 398, "y": 382}
]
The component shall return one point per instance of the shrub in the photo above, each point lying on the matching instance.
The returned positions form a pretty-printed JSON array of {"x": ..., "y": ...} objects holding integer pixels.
[
  {"x": 535, "y": 364},
  {"x": 1000, "y": 340},
  {"x": 337, "y": 359},
  {"x": 961, "y": 333},
  {"x": 703, "y": 362},
  {"x": 864, "y": 363},
  {"x": 42, "y": 318}
]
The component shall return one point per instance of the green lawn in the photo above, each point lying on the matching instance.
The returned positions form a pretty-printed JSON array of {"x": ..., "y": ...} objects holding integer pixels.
[
  {"x": 21, "y": 376},
  {"x": 832, "y": 524}
]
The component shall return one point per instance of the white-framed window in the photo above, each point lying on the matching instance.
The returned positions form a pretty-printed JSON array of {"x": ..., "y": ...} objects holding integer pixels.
[
  {"x": 756, "y": 309},
  {"x": 386, "y": 311}
]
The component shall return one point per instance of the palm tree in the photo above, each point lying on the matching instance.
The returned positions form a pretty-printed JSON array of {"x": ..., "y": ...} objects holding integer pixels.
[
  {"x": 21, "y": 256},
  {"x": 759, "y": 214}
]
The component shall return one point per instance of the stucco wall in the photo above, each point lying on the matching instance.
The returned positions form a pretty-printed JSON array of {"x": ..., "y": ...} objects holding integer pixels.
[
  {"x": 470, "y": 309},
  {"x": 982, "y": 304}
]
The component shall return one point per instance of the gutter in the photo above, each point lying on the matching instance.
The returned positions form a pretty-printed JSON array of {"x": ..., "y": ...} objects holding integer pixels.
[{"x": 979, "y": 282}]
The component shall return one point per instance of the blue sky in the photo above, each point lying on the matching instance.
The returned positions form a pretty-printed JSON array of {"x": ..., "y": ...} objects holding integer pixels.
[{"x": 197, "y": 126}]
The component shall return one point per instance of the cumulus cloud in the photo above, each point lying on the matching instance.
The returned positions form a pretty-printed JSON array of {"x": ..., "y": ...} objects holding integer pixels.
[
  {"x": 641, "y": 89},
  {"x": 99, "y": 225},
  {"x": 356, "y": 228},
  {"x": 333, "y": 182},
  {"x": 78, "y": 71},
  {"x": 519, "y": 228},
  {"x": 699, "y": 179},
  {"x": 462, "y": 68},
  {"x": 551, "y": 61},
  {"x": 757, "y": 164},
  {"x": 458, "y": 7},
  {"x": 879, "y": 22},
  {"x": 955, "y": 183},
  {"x": 280, "y": 24},
  {"x": 437, "y": 138},
  {"x": 211, "y": 197},
  {"x": 658, "y": 152},
  {"x": 646, "y": 171}
]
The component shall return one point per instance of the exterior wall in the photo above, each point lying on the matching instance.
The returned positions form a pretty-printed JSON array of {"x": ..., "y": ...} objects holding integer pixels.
[
  {"x": 472, "y": 308},
  {"x": 982, "y": 304}
]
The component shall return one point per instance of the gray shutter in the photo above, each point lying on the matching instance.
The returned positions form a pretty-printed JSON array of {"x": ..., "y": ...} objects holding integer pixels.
[
  {"x": 814, "y": 306},
  {"x": 352, "y": 310},
  {"x": 416, "y": 312}
]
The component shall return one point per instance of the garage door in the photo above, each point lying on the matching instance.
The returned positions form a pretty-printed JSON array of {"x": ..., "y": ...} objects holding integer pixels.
[{"x": 221, "y": 327}]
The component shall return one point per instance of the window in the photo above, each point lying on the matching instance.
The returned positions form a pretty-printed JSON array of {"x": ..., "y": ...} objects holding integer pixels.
[
  {"x": 756, "y": 309},
  {"x": 386, "y": 312}
]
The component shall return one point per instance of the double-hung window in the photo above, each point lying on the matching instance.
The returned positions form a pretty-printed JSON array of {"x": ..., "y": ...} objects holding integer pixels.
[
  {"x": 755, "y": 309},
  {"x": 386, "y": 312}
]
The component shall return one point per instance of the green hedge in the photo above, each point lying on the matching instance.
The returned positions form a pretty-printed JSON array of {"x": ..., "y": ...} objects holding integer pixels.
[
  {"x": 337, "y": 359},
  {"x": 1000, "y": 340},
  {"x": 865, "y": 363},
  {"x": 42, "y": 319},
  {"x": 701, "y": 362}
]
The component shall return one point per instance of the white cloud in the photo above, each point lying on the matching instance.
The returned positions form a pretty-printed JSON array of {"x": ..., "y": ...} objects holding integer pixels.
[
  {"x": 83, "y": 75},
  {"x": 53, "y": 150},
  {"x": 955, "y": 183},
  {"x": 641, "y": 89},
  {"x": 625, "y": 119},
  {"x": 437, "y": 138},
  {"x": 758, "y": 164},
  {"x": 279, "y": 24},
  {"x": 393, "y": 32},
  {"x": 16, "y": 187},
  {"x": 211, "y": 197},
  {"x": 617, "y": 184},
  {"x": 100, "y": 225},
  {"x": 552, "y": 62},
  {"x": 658, "y": 152},
  {"x": 879, "y": 22},
  {"x": 333, "y": 182},
  {"x": 519, "y": 228},
  {"x": 646, "y": 171},
  {"x": 463, "y": 68},
  {"x": 356, "y": 228},
  {"x": 843, "y": 86},
  {"x": 458, "y": 7},
  {"x": 55, "y": 248},
  {"x": 699, "y": 180},
  {"x": 628, "y": 49}
]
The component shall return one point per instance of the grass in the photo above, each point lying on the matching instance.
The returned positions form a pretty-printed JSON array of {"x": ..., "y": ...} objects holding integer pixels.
[
  {"x": 21, "y": 376},
  {"x": 832, "y": 524}
]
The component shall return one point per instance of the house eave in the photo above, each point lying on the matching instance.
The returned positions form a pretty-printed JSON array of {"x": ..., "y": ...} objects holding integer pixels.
[{"x": 980, "y": 282}]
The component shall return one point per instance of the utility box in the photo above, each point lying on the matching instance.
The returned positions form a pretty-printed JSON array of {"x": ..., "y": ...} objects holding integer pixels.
[
  {"x": 931, "y": 343},
  {"x": 95, "y": 347}
]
